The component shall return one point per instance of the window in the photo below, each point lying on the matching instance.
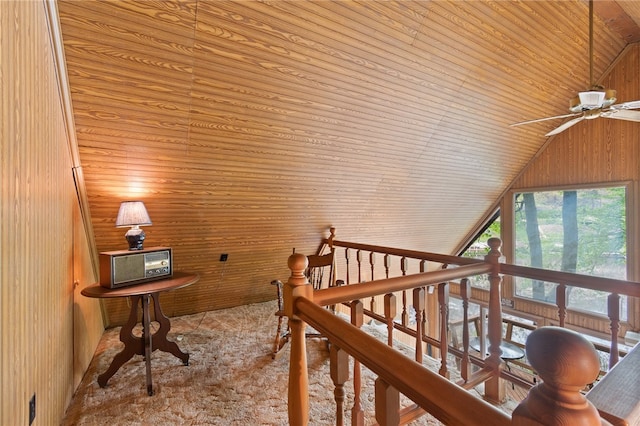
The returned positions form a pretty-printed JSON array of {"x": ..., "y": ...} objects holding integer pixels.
[
  {"x": 478, "y": 248},
  {"x": 578, "y": 230}
]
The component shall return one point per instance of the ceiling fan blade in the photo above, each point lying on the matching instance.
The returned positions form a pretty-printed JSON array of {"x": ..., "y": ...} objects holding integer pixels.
[
  {"x": 565, "y": 126},
  {"x": 626, "y": 105},
  {"x": 537, "y": 120},
  {"x": 623, "y": 114}
]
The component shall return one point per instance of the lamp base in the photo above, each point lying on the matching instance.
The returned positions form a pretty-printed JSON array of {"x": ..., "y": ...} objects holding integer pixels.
[{"x": 135, "y": 238}]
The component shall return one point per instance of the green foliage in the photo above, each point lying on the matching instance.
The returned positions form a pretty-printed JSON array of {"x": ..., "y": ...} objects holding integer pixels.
[
  {"x": 601, "y": 231},
  {"x": 602, "y": 243},
  {"x": 601, "y": 250}
]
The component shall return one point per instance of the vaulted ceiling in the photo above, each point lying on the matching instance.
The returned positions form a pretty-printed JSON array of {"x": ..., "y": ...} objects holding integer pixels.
[{"x": 250, "y": 127}]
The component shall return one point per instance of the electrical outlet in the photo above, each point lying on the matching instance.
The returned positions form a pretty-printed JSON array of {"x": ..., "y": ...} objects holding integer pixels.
[
  {"x": 32, "y": 409},
  {"x": 224, "y": 257}
]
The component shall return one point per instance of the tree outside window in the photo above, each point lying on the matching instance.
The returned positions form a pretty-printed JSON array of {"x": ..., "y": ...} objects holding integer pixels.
[
  {"x": 479, "y": 248},
  {"x": 579, "y": 231}
]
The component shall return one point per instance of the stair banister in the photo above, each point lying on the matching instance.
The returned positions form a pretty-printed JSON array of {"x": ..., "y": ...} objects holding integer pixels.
[{"x": 442, "y": 398}]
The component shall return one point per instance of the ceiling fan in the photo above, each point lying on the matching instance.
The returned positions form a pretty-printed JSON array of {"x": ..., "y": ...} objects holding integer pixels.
[{"x": 593, "y": 103}]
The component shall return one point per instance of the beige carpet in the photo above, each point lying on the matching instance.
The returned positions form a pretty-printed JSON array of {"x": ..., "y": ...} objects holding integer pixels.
[{"x": 231, "y": 378}]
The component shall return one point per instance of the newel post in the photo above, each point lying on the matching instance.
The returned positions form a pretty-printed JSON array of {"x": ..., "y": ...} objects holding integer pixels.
[
  {"x": 566, "y": 362},
  {"x": 297, "y": 286},
  {"x": 494, "y": 387}
]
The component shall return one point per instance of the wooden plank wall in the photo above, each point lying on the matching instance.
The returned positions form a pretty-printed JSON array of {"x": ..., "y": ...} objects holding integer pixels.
[
  {"x": 251, "y": 127},
  {"x": 38, "y": 223},
  {"x": 596, "y": 151}
]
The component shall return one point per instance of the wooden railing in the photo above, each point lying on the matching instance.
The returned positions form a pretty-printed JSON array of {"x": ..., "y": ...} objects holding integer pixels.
[
  {"x": 302, "y": 305},
  {"x": 362, "y": 266}
]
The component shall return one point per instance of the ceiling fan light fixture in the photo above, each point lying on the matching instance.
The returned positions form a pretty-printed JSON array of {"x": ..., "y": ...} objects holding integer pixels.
[{"x": 592, "y": 99}]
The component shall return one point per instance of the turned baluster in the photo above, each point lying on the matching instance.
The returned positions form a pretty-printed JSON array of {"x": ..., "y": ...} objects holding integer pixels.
[
  {"x": 566, "y": 362},
  {"x": 405, "y": 315},
  {"x": 297, "y": 286},
  {"x": 465, "y": 294},
  {"x": 372, "y": 262},
  {"x": 347, "y": 255},
  {"x": 561, "y": 303},
  {"x": 387, "y": 264},
  {"x": 389, "y": 315},
  {"x": 613, "y": 305},
  {"x": 359, "y": 261},
  {"x": 423, "y": 268},
  {"x": 418, "y": 306},
  {"x": 339, "y": 371},
  {"x": 443, "y": 301},
  {"x": 357, "y": 413}
]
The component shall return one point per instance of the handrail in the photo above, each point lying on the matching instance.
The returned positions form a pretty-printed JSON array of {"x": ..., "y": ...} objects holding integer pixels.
[
  {"x": 305, "y": 306},
  {"x": 615, "y": 287},
  {"x": 414, "y": 254},
  {"x": 610, "y": 285},
  {"x": 334, "y": 295},
  {"x": 572, "y": 364},
  {"x": 410, "y": 378}
]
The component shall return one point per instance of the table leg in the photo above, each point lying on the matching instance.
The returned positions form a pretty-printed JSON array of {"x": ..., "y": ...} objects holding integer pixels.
[
  {"x": 160, "y": 336},
  {"x": 146, "y": 334},
  {"x": 132, "y": 344}
]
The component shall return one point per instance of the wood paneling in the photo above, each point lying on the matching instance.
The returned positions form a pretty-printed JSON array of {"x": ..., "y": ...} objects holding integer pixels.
[
  {"x": 250, "y": 127},
  {"x": 595, "y": 151},
  {"x": 38, "y": 227}
]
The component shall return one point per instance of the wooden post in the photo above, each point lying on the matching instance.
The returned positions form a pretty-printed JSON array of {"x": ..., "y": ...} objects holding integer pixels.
[
  {"x": 566, "y": 362},
  {"x": 357, "y": 413},
  {"x": 297, "y": 286},
  {"x": 494, "y": 388}
]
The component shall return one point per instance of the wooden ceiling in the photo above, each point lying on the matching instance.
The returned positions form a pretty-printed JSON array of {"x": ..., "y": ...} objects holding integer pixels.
[{"x": 250, "y": 127}]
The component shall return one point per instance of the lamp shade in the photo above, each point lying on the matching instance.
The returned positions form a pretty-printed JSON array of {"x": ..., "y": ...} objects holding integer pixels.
[{"x": 132, "y": 213}]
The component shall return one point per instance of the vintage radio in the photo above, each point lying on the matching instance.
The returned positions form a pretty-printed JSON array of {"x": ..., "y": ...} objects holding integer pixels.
[{"x": 124, "y": 267}]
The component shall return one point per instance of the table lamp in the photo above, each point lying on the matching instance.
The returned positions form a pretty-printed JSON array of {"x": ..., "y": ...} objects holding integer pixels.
[{"x": 133, "y": 214}]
